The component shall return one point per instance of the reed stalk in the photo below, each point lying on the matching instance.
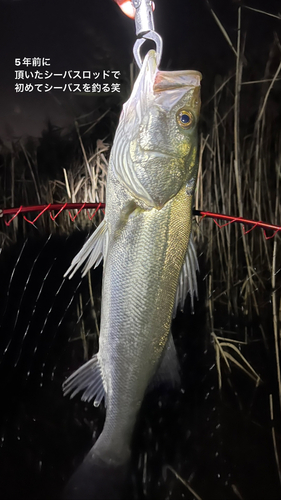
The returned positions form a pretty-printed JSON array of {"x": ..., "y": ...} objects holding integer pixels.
[{"x": 239, "y": 173}]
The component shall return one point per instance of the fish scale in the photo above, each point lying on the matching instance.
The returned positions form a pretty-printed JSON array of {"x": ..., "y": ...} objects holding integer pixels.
[
  {"x": 144, "y": 242},
  {"x": 125, "y": 370}
]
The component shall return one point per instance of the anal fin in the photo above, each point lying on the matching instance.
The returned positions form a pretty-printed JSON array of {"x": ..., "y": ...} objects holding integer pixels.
[{"x": 88, "y": 378}]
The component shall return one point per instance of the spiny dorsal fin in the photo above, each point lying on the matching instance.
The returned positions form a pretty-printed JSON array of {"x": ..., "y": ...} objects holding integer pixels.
[
  {"x": 93, "y": 251},
  {"x": 187, "y": 280},
  {"x": 88, "y": 378}
]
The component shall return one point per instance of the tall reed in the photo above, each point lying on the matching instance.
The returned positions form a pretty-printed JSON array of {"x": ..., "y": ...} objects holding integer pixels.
[{"x": 240, "y": 174}]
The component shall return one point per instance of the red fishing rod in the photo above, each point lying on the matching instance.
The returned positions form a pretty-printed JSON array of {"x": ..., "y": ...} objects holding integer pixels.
[
  {"x": 49, "y": 208},
  {"x": 230, "y": 219},
  {"x": 59, "y": 207}
]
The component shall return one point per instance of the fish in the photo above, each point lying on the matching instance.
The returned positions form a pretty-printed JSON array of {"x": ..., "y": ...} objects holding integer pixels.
[{"x": 149, "y": 263}]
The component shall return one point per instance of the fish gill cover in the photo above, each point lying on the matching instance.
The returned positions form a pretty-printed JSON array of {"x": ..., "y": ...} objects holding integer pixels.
[{"x": 220, "y": 436}]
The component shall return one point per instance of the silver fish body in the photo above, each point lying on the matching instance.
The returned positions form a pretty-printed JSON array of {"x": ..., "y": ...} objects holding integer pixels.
[{"x": 143, "y": 240}]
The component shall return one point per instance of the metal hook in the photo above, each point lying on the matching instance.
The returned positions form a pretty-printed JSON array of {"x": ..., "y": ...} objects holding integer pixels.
[
  {"x": 143, "y": 16},
  {"x": 145, "y": 29},
  {"x": 151, "y": 35}
]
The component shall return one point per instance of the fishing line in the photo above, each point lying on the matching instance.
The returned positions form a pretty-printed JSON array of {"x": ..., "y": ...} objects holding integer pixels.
[
  {"x": 11, "y": 279},
  {"x": 28, "y": 281},
  {"x": 58, "y": 326}
]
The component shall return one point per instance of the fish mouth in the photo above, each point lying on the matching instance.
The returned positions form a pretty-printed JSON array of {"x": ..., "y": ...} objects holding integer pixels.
[
  {"x": 160, "y": 154},
  {"x": 167, "y": 156},
  {"x": 174, "y": 80}
]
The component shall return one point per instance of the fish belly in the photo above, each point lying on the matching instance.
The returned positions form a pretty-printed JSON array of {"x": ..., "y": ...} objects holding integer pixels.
[{"x": 141, "y": 274}]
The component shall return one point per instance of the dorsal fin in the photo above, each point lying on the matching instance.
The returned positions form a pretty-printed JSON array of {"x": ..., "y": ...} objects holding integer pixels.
[
  {"x": 187, "y": 280},
  {"x": 168, "y": 371}
]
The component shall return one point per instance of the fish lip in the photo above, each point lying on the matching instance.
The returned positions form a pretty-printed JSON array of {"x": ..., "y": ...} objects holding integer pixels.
[
  {"x": 159, "y": 153},
  {"x": 164, "y": 155}
]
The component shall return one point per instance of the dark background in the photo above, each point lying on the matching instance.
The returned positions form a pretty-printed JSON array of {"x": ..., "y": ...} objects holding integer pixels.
[
  {"x": 222, "y": 445},
  {"x": 96, "y": 35}
]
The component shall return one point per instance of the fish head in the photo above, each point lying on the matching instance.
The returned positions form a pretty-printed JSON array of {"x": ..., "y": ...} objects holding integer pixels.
[{"x": 157, "y": 134}]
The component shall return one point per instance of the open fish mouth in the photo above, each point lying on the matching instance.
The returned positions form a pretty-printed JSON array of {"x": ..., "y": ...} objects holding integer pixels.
[{"x": 148, "y": 258}]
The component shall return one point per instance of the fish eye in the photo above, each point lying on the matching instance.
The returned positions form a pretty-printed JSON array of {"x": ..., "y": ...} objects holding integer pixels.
[{"x": 185, "y": 118}]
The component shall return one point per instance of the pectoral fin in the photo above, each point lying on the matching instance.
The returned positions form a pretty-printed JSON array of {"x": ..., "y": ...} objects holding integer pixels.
[
  {"x": 187, "y": 281},
  {"x": 87, "y": 378},
  {"x": 93, "y": 251}
]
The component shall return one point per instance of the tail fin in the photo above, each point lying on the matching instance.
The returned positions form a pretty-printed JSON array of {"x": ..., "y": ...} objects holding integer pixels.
[{"x": 95, "y": 480}]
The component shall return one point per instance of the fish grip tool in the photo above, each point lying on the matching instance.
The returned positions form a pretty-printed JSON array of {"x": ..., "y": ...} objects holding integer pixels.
[{"x": 145, "y": 29}]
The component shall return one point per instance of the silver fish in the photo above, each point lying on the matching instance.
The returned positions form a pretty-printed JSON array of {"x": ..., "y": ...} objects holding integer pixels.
[{"x": 149, "y": 265}]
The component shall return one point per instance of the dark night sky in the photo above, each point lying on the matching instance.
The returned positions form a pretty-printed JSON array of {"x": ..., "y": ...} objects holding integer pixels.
[{"x": 95, "y": 35}]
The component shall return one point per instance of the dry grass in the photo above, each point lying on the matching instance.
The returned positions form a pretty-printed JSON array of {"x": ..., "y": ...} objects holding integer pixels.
[
  {"x": 239, "y": 174},
  {"x": 83, "y": 181}
]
